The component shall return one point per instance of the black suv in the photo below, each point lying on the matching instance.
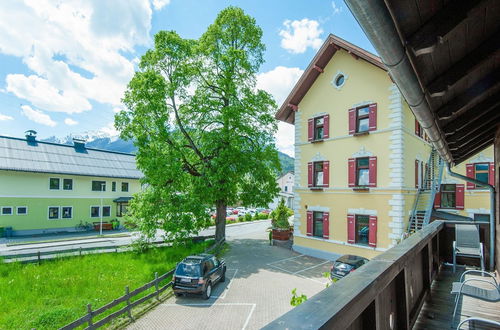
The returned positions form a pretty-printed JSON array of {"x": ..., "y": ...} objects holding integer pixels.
[
  {"x": 345, "y": 265},
  {"x": 197, "y": 274}
]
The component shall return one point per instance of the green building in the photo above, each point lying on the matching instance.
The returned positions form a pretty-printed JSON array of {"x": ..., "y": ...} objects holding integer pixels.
[{"x": 48, "y": 187}]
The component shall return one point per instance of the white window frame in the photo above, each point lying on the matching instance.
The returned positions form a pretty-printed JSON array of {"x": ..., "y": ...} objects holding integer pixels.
[
  {"x": 99, "y": 208},
  {"x": 11, "y": 208},
  {"x": 17, "y": 210},
  {"x": 60, "y": 181},
  {"x": 58, "y": 213},
  {"x": 110, "y": 209},
  {"x": 71, "y": 213}
]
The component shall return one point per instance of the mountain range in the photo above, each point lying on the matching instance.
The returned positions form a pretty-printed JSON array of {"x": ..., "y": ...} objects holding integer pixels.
[{"x": 99, "y": 140}]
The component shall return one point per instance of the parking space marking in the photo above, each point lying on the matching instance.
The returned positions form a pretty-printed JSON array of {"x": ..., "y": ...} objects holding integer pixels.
[
  {"x": 312, "y": 267},
  {"x": 221, "y": 304},
  {"x": 228, "y": 286},
  {"x": 289, "y": 272},
  {"x": 274, "y": 262}
]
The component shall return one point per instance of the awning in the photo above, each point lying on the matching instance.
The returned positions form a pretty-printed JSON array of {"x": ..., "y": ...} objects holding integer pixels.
[{"x": 122, "y": 199}]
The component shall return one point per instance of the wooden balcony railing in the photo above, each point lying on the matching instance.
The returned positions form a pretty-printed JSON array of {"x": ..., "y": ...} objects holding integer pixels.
[{"x": 386, "y": 293}]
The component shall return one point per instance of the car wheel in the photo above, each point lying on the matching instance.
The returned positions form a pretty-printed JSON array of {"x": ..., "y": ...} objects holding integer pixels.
[
  {"x": 223, "y": 277},
  {"x": 208, "y": 291}
]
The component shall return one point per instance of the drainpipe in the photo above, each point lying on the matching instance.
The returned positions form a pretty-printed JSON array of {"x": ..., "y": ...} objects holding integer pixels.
[
  {"x": 492, "y": 210},
  {"x": 376, "y": 21}
]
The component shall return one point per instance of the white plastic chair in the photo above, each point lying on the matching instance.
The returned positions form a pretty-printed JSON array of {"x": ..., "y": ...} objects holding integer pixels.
[{"x": 467, "y": 244}]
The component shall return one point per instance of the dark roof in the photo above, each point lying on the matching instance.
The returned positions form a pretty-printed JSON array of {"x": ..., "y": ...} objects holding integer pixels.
[
  {"x": 45, "y": 157},
  {"x": 454, "y": 49},
  {"x": 317, "y": 65},
  {"x": 122, "y": 199}
]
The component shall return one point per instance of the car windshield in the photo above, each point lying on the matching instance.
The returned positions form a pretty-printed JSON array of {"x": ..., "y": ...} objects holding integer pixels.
[
  {"x": 343, "y": 266},
  {"x": 188, "y": 269}
]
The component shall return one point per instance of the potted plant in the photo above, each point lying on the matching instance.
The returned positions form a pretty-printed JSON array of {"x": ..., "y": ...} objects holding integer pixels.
[{"x": 281, "y": 227}]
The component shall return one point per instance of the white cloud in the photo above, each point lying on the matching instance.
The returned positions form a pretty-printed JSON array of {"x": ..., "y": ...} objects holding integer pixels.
[
  {"x": 159, "y": 4},
  {"x": 109, "y": 130},
  {"x": 297, "y": 36},
  {"x": 5, "y": 117},
  {"x": 279, "y": 83},
  {"x": 70, "y": 122},
  {"x": 37, "y": 116},
  {"x": 75, "y": 49},
  {"x": 336, "y": 9}
]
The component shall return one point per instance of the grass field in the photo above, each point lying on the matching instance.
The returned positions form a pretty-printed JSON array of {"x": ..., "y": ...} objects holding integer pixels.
[{"x": 55, "y": 293}]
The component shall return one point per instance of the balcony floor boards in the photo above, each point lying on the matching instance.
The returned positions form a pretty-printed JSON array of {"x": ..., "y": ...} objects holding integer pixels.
[{"x": 437, "y": 312}]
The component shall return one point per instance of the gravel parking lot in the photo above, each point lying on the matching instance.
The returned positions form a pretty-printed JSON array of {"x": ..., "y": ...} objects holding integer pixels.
[{"x": 257, "y": 290}]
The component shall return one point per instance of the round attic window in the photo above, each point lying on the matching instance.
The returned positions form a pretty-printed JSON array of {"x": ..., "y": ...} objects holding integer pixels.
[{"x": 339, "y": 81}]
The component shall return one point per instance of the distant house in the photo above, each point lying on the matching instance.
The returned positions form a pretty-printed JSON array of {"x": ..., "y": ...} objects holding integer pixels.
[
  {"x": 285, "y": 182},
  {"x": 48, "y": 187}
]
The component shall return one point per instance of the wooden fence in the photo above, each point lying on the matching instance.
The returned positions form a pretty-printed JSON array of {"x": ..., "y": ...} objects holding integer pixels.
[{"x": 127, "y": 297}]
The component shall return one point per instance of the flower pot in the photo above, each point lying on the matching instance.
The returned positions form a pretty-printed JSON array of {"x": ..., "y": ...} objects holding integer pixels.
[{"x": 281, "y": 234}]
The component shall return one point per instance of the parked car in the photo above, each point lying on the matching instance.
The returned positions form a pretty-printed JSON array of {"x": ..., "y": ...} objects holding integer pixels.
[
  {"x": 198, "y": 274},
  {"x": 241, "y": 210},
  {"x": 345, "y": 265}
]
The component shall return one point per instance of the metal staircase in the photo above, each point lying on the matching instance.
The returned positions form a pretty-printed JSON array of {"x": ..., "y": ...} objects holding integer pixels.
[{"x": 424, "y": 201}]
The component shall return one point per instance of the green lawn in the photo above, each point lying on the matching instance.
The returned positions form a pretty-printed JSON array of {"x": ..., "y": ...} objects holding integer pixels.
[{"x": 55, "y": 293}]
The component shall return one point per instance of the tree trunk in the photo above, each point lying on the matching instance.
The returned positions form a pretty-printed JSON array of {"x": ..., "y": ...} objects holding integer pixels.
[{"x": 220, "y": 221}]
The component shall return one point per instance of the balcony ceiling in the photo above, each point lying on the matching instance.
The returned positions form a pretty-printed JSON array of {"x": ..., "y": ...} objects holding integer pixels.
[{"x": 453, "y": 47}]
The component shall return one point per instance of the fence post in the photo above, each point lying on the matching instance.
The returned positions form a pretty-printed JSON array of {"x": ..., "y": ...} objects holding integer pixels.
[
  {"x": 89, "y": 311},
  {"x": 39, "y": 258},
  {"x": 129, "y": 310},
  {"x": 80, "y": 250},
  {"x": 156, "y": 287}
]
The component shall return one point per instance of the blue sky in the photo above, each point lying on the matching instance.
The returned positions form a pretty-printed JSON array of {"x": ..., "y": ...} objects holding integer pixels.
[{"x": 65, "y": 64}]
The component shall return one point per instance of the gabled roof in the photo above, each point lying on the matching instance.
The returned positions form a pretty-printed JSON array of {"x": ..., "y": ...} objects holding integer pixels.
[
  {"x": 333, "y": 43},
  {"x": 44, "y": 157}
]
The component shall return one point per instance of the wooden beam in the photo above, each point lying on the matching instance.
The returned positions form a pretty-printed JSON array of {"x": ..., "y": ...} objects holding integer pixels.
[
  {"x": 469, "y": 95},
  {"x": 356, "y": 57},
  {"x": 294, "y": 107},
  {"x": 488, "y": 50},
  {"x": 475, "y": 127},
  {"x": 464, "y": 154},
  {"x": 435, "y": 30},
  {"x": 317, "y": 68},
  {"x": 474, "y": 141},
  {"x": 480, "y": 112}
]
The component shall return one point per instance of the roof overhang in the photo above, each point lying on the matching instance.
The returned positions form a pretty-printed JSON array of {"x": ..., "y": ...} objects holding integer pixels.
[
  {"x": 333, "y": 43},
  {"x": 445, "y": 58}
]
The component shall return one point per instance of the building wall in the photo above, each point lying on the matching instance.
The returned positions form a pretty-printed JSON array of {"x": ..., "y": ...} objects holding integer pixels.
[
  {"x": 286, "y": 180},
  {"x": 32, "y": 190}
]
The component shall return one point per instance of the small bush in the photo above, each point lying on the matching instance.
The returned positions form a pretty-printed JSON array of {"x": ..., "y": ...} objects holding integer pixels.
[
  {"x": 263, "y": 216},
  {"x": 248, "y": 217}
]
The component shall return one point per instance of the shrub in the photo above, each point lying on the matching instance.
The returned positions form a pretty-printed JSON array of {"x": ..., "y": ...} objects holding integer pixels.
[
  {"x": 280, "y": 216},
  {"x": 248, "y": 217},
  {"x": 263, "y": 216}
]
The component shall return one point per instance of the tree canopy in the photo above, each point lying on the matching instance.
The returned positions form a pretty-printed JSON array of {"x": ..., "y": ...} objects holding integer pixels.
[{"x": 205, "y": 134}]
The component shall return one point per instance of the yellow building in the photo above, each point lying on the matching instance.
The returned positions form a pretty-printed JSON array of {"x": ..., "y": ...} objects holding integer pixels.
[{"x": 359, "y": 156}]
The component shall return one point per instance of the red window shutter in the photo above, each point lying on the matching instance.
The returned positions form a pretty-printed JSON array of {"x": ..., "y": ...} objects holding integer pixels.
[
  {"x": 351, "y": 229},
  {"x": 309, "y": 174},
  {"x": 310, "y": 127},
  {"x": 491, "y": 174},
  {"x": 326, "y": 225},
  {"x": 326, "y": 173},
  {"x": 416, "y": 173},
  {"x": 437, "y": 200},
  {"x": 309, "y": 223},
  {"x": 352, "y": 121},
  {"x": 373, "y": 172},
  {"x": 352, "y": 172},
  {"x": 417, "y": 127},
  {"x": 372, "y": 233},
  {"x": 372, "y": 117},
  {"x": 326, "y": 126},
  {"x": 471, "y": 173},
  {"x": 459, "y": 196}
]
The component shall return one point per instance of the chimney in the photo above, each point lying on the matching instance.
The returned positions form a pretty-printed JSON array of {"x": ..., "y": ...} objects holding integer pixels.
[
  {"x": 31, "y": 137},
  {"x": 79, "y": 144}
]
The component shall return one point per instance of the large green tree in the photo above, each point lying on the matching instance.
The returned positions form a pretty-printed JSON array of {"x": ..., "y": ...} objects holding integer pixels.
[{"x": 204, "y": 132}]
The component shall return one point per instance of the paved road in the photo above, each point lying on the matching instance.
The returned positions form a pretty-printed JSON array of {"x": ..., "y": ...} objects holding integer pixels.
[
  {"x": 257, "y": 290},
  {"x": 108, "y": 240}
]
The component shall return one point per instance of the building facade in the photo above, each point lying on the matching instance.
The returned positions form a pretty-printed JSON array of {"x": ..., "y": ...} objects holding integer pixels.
[
  {"x": 360, "y": 155},
  {"x": 285, "y": 183},
  {"x": 47, "y": 187}
]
